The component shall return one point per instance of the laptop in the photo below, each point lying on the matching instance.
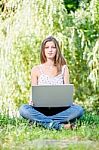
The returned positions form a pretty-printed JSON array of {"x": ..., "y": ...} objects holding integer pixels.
[{"x": 52, "y": 95}]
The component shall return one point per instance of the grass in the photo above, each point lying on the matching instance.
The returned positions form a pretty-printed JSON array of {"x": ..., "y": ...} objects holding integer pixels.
[{"x": 18, "y": 134}]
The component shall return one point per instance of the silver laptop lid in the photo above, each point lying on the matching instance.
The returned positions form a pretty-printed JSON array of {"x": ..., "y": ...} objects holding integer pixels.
[{"x": 52, "y": 95}]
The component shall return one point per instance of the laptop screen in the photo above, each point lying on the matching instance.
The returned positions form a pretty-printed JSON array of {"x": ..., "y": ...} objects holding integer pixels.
[{"x": 52, "y": 95}]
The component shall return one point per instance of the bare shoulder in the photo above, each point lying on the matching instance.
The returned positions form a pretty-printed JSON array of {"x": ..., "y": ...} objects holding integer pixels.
[
  {"x": 34, "y": 75},
  {"x": 35, "y": 70},
  {"x": 65, "y": 67}
]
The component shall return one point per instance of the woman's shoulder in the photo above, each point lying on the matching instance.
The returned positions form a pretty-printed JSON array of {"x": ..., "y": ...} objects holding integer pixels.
[
  {"x": 35, "y": 69},
  {"x": 64, "y": 68}
]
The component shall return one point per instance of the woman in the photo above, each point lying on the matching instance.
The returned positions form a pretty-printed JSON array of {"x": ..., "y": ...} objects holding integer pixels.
[{"x": 52, "y": 70}]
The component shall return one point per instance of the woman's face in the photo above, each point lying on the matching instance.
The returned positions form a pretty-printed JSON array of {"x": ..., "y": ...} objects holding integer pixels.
[{"x": 50, "y": 50}]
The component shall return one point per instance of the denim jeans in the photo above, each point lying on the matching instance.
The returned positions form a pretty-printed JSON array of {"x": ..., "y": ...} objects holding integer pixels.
[{"x": 55, "y": 121}]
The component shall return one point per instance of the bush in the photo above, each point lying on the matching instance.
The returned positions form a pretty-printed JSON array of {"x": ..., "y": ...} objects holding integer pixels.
[{"x": 23, "y": 26}]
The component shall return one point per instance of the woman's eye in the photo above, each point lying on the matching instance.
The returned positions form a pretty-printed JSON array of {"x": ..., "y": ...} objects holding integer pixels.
[{"x": 46, "y": 47}]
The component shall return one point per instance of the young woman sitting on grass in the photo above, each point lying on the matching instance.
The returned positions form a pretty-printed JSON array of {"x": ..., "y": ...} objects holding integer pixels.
[{"x": 53, "y": 70}]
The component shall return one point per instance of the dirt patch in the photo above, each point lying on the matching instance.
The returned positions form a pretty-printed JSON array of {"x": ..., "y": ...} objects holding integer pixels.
[{"x": 61, "y": 144}]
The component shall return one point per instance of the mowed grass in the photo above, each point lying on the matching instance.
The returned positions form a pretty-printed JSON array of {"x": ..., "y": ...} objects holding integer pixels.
[{"x": 19, "y": 134}]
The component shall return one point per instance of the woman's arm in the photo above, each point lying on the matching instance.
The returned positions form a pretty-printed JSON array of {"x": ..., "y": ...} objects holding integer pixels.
[
  {"x": 34, "y": 78},
  {"x": 66, "y": 75}
]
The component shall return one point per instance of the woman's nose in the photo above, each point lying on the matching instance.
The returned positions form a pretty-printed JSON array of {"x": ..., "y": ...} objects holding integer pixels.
[{"x": 50, "y": 49}]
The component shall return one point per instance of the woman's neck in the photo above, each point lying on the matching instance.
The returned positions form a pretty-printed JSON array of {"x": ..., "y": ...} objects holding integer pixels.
[{"x": 49, "y": 63}]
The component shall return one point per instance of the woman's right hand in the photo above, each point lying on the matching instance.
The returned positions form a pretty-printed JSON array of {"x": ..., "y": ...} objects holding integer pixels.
[{"x": 31, "y": 102}]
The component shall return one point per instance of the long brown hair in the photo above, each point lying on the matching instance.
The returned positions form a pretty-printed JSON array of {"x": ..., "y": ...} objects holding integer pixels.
[{"x": 59, "y": 60}]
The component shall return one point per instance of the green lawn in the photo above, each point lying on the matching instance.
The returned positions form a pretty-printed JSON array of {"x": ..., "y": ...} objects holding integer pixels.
[{"x": 18, "y": 134}]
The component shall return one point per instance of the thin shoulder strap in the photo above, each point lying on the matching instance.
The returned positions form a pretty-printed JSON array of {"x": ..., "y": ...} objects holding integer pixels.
[
  {"x": 40, "y": 68},
  {"x": 63, "y": 69}
]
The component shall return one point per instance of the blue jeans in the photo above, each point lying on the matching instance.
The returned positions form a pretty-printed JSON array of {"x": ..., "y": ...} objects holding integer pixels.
[{"x": 54, "y": 121}]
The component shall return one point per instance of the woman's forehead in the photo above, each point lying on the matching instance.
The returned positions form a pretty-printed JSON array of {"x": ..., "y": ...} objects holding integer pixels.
[{"x": 49, "y": 43}]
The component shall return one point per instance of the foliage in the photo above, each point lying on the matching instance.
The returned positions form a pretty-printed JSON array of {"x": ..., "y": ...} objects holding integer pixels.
[
  {"x": 83, "y": 54},
  {"x": 71, "y": 5},
  {"x": 23, "y": 25}
]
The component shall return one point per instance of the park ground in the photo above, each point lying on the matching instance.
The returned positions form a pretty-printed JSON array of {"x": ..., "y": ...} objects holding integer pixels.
[{"x": 19, "y": 134}]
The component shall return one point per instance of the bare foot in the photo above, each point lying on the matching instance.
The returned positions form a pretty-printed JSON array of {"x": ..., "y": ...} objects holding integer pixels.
[
  {"x": 70, "y": 126},
  {"x": 67, "y": 126}
]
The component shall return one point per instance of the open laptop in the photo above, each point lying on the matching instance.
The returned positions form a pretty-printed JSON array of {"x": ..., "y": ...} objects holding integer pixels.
[{"x": 52, "y": 95}]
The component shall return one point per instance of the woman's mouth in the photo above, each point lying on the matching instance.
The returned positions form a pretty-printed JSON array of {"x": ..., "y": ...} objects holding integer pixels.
[{"x": 50, "y": 53}]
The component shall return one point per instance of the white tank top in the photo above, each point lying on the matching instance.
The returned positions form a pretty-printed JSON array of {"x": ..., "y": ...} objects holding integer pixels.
[{"x": 44, "y": 79}]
